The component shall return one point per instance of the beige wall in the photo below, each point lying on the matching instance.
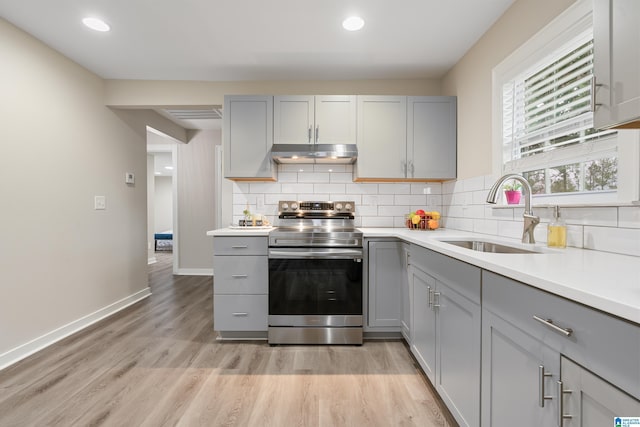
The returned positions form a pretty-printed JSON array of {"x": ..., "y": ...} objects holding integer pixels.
[
  {"x": 470, "y": 78},
  {"x": 136, "y": 93},
  {"x": 60, "y": 259}
]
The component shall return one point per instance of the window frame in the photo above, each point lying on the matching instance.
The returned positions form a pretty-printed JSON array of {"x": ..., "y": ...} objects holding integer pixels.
[{"x": 576, "y": 20}]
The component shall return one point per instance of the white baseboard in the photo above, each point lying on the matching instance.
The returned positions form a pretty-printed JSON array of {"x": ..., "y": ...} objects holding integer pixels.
[
  {"x": 152, "y": 260},
  {"x": 195, "y": 272},
  {"x": 14, "y": 355}
]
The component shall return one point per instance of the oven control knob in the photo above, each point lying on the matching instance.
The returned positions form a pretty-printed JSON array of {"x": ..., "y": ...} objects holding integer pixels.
[
  {"x": 285, "y": 206},
  {"x": 339, "y": 206},
  {"x": 294, "y": 206},
  {"x": 348, "y": 206}
]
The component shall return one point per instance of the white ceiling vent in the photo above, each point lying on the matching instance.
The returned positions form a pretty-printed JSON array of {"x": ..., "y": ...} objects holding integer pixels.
[{"x": 203, "y": 114}]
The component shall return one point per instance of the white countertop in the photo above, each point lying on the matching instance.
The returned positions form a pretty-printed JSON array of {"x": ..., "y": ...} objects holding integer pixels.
[{"x": 605, "y": 281}]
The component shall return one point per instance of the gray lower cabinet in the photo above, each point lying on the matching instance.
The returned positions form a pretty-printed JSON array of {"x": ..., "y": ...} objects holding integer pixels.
[
  {"x": 589, "y": 401},
  {"x": 385, "y": 272},
  {"x": 446, "y": 329},
  {"x": 533, "y": 342},
  {"x": 407, "y": 291},
  {"x": 240, "y": 284},
  {"x": 519, "y": 374}
]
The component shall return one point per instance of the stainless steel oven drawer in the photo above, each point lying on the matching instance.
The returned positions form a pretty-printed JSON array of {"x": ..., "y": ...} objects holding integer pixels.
[{"x": 332, "y": 336}]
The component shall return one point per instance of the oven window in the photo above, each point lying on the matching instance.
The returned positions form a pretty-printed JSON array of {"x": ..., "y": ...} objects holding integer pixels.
[{"x": 315, "y": 287}]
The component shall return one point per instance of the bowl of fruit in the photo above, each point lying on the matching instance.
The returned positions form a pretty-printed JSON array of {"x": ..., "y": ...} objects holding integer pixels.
[{"x": 421, "y": 220}]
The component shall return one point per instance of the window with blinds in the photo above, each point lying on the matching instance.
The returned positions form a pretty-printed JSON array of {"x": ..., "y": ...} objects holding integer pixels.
[{"x": 547, "y": 125}]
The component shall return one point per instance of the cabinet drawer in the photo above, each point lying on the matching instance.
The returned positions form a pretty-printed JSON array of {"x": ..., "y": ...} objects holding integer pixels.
[
  {"x": 604, "y": 344},
  {"x": 460, "y": 276},
  {"x": 240, "y": 275},
  {"x": 240, "y": 312},
  {"x": 240, "y": 245}
]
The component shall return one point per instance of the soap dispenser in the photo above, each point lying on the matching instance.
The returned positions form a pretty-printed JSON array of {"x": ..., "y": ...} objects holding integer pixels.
[{"x": 557, "y": 231}]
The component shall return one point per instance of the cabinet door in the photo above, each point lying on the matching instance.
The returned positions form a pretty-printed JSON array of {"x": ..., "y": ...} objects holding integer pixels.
[
  {"x": 407, "y": 292},
  {"x": 248, "y": 136},
  {"x": 431, "y": 137},
  {"x": 382, "y": 137},
  {"x": 423, "y": 342},
  {"x": 335, "y": 118},
  {"x": 591, "y": 401},
  {"x": 511, "y": 376},
  {"x": 458, "y": 356},
  {"x": 617, "y": 62},
  {"x": 293, "y": 121},
  {"x": 386, "y": 263}
]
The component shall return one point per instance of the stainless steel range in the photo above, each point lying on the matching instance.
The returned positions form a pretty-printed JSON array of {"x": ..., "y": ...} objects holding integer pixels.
[{"x": 315, "y": 274}]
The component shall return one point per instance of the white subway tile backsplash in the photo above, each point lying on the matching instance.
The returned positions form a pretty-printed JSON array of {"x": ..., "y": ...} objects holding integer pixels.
[
  {"x": 412, "y": 199},
  {"x": 329, "y": 188},
  {"x": 356, "y": 198},
  {"x": 629, "y": 217},
  {"x": 297, "y": 188},
  {"x": 597, "y": 216},
  {"x": 575, "y": 236},
  {"x": 364, "y": 210},
  {"x": 264, "y": 187},
  {"x": 396, "y": 210},
  {"x": 244, "y": 198},
  {"x": 287, "y": 177},
  {"x": 395, "y": 188},
  {"x": 609, "y": 239},
  {"x": 314, "y": 177},
  {"x": 474, "y": 184},
  {"x": 479, "y": 197},
  {"x": 511, "y": 229},
  {"x": 377, "y": 221},
  {"x": 434, "y": 203},
  {"x": 341, "y": 177},
  {"x": 362, "y": 188},
  {"x": 485, "y": 226},
  {"x": 332, "y": 168},
  {"x": 375, "y": 200},
  {"x": 292, "y": 167},
  {"x": 326, "y": 197},
  {"x": 426, "y": 188}
]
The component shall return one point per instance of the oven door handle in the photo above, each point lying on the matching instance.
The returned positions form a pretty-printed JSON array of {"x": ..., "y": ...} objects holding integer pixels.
[{"x": 355, "y": 254}]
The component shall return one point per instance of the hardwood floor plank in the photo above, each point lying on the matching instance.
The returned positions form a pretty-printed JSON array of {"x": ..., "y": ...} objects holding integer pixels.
[{"x": 158, "y": 363}]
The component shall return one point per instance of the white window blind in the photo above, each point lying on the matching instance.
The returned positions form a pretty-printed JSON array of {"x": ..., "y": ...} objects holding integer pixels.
[{"x": 547, "y": 124}]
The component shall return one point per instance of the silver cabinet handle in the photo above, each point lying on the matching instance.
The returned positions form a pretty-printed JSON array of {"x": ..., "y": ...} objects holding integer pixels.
[
  {"x": 240, "y": 314},
  {"x": 436, "y": 303},
  {"x": 541, "y": 376},
  {"x": 239, "y": 247},
  {"x": 412, "y": 169},
  {"x": 430, "y": 298},
  {"x": 239, "y": 276},
  {"x": 561, "y": 415},
  {"x": 309, "y": 137},
  {"x": 567, "y": 332},
  {"x": 317, "y": 133},
  {"x": 594, "y": 85}
]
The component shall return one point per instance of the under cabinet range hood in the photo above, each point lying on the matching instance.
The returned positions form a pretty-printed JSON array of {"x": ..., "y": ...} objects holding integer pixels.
[{"x": 314, "y": 153}]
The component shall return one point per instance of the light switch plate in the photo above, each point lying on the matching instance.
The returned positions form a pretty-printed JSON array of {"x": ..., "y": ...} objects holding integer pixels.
[
  {"x": 99, "y": 203},
  {"x": 129, "y": 178}
]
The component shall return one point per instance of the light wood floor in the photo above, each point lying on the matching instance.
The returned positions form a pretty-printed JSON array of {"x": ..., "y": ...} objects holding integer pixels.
[{"x": 157, "y": 363}]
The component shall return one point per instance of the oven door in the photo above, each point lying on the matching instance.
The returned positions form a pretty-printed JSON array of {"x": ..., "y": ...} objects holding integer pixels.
[{"x": 315, "y": 287}]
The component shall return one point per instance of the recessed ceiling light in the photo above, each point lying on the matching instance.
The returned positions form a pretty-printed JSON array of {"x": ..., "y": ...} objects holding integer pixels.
[
  {"x": 353, "y": 23},
  {"x": 96, "y": 24}
]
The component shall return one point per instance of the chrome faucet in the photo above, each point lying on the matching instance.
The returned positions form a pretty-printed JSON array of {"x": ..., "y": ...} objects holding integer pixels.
[{"x": 530, "y": 220}]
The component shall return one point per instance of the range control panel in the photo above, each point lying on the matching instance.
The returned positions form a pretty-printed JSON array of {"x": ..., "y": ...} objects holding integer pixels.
[{"x": 301, "y": 209}]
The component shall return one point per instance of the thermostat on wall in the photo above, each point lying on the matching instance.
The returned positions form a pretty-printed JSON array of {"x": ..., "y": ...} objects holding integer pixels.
[{"x": 129, "y": 178}]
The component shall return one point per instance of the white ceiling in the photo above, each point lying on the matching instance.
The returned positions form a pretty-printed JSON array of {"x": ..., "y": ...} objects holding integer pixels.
[{"x": 238, "y": 40}]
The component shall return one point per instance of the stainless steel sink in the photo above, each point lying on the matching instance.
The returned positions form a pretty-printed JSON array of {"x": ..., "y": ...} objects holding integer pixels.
[{"x": 481, "y": 246}]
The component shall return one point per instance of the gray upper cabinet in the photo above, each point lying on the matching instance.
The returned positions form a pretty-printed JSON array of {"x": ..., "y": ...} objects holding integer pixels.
[
  {"x": 431, "y": 137},
  {"x": 406, "y": 138},
  {"x": 617, "y": 63},
  {"x": 248, "y": 137},
  {"x": 320, "y": 119},
  {"x": 382, "y": 137}
]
